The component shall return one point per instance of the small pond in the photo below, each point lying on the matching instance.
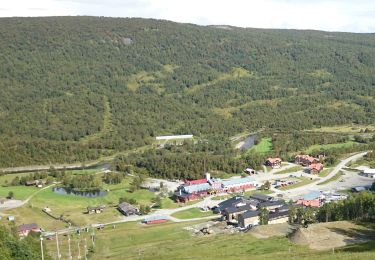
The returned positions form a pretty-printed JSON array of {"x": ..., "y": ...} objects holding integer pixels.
[{"x": 87, "y": 194}]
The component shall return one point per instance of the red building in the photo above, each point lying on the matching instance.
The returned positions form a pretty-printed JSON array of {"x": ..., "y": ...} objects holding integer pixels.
[
  {"x": 315, "y": 168},
  {"x": 305, "y": 160},
  {"x": 274, "y": 162},
  {"x": 25, "y": 229}
]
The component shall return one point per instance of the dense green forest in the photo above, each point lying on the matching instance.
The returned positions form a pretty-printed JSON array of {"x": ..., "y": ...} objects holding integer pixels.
[
  {"x": 11, "y": 247},
  {"x": 77, "y": 88}
]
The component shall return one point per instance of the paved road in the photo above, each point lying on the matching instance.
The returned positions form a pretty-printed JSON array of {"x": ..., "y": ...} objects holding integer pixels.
[{"x": 314, "y": 186}]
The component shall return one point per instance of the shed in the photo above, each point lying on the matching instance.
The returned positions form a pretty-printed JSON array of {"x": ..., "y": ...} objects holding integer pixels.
[
  {"x": 155, "y": 219},
  {"x": 127, "y": 209}
]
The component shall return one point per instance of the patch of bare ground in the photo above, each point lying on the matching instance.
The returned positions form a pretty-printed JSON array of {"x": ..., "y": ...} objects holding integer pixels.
[
  {"x": 324, "y": 236},
  {"x": 266, "y": 231}
]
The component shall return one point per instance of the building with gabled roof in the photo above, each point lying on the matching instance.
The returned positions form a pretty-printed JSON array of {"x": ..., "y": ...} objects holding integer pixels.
[
  {"x": 315, "y": 168},
  {"x": 305, "y": 160},
  {"x": 24, "y": 229},
  {"x": 127, "y": 209},
  {"x": 273, "y": 162}
]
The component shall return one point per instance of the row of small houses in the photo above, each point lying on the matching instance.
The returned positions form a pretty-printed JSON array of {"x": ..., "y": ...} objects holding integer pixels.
[{"x": 312, "y": 163}]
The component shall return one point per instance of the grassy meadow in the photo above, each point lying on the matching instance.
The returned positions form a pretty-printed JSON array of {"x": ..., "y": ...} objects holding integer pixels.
[
  {"x": 171, "y": 241},
  {"x": 264, "y": 146}
]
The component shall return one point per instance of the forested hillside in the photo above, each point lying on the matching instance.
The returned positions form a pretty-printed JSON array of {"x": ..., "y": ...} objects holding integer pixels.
[{"x": 75, "y": 88}]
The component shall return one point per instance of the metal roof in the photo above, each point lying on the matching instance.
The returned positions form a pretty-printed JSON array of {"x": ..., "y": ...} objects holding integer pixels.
[
  {"x": 250, "y": 214},
  {"x": 197, "y": 187},
  {"x": 235, "y": 181},
  {"x": 312, "y": 195}
]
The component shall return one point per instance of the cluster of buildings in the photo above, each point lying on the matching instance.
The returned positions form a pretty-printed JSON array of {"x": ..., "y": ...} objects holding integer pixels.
[
  {"x": 245, "y": 212},
  {"x": 192, "y": 190},
  {"x": 313, "y": 164},
  {"x": 318, "y": 198}
]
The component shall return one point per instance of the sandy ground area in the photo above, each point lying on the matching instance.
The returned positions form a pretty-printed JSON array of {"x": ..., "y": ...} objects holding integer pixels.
[
  {"x": 267, "y": 231},
  {"x": 324, "y": 236}
]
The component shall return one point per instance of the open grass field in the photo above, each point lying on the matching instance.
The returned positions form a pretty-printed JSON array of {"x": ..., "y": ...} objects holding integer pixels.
[
  {"x": 6, "y": 179},
  {"x": 263, "y": 147},
  {"x": 171, "y": 241},
  {"x": 251, "y": 192},
  {"x": 20, "y": 192},
  {"x": 192, "y": 213},
  {"x": 290, "y": 170},
  {"x": 334, "y": 178},
  {"x": 325, "y": 172},
  {"x": 318, "y": 147}
]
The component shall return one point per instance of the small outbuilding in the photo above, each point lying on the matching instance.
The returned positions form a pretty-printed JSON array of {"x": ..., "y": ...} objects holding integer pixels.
[
  {"x": 155, "y": 220},
  {"x": 128, "y": 209},
  {"x": 95, "y": 210}
]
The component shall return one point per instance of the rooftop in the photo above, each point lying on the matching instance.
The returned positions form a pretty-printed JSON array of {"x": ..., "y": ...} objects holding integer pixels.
[
  {"x": 250, "y": 214},
  {"x": 261, "y": 197},
  {"x": 312, "y": 195},
  {"x": 27, "y": 227},
  {"x": 235, "y": 181}
]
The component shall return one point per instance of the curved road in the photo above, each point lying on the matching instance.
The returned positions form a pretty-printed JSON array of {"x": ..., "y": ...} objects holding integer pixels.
[{"x": 335, "y": 170}]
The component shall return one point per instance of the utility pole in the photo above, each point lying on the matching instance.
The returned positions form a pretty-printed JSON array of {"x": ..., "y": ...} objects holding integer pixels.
[
  {"x": 85, "y": 249},
  {"x": 57, "y": 246},
  {"x": 70, "y": 252},
  {"x": 41, "y": 247},
  {"x": 79, "y": 252},
  {"x": 93, "y": 238}
]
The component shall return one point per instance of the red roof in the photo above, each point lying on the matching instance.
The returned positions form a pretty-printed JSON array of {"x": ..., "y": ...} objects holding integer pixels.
[
  {"x": 316, "y": 166},
  {"x": 274, "y": 160},
  {"x": 309, "y": 203},
  {"x": 307, "y": 157},
  {"x": 192, "y": 182}
]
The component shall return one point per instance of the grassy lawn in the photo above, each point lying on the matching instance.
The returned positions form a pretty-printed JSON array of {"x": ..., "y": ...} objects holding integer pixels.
[
  {"x": 168, "y": 203},
  {"x": 20, "y": 192},
  {"x": 334, "y": 178},
  {"x": 290, "y": 170},
  {"x": 325, "y": 172},
  {"x": 73, "y": 207},
  {"x": 192, "y": 213},
  {"x": 29, "y": 214},
  {"x": 263, "y": 147},
  {"x": 317, "y": 147},
  {"x": 171, "y": 241},
  {"x": 251, "y": 192},
  {"x": 303, "y": 181},
  {"x": 7, "y": 178}
]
